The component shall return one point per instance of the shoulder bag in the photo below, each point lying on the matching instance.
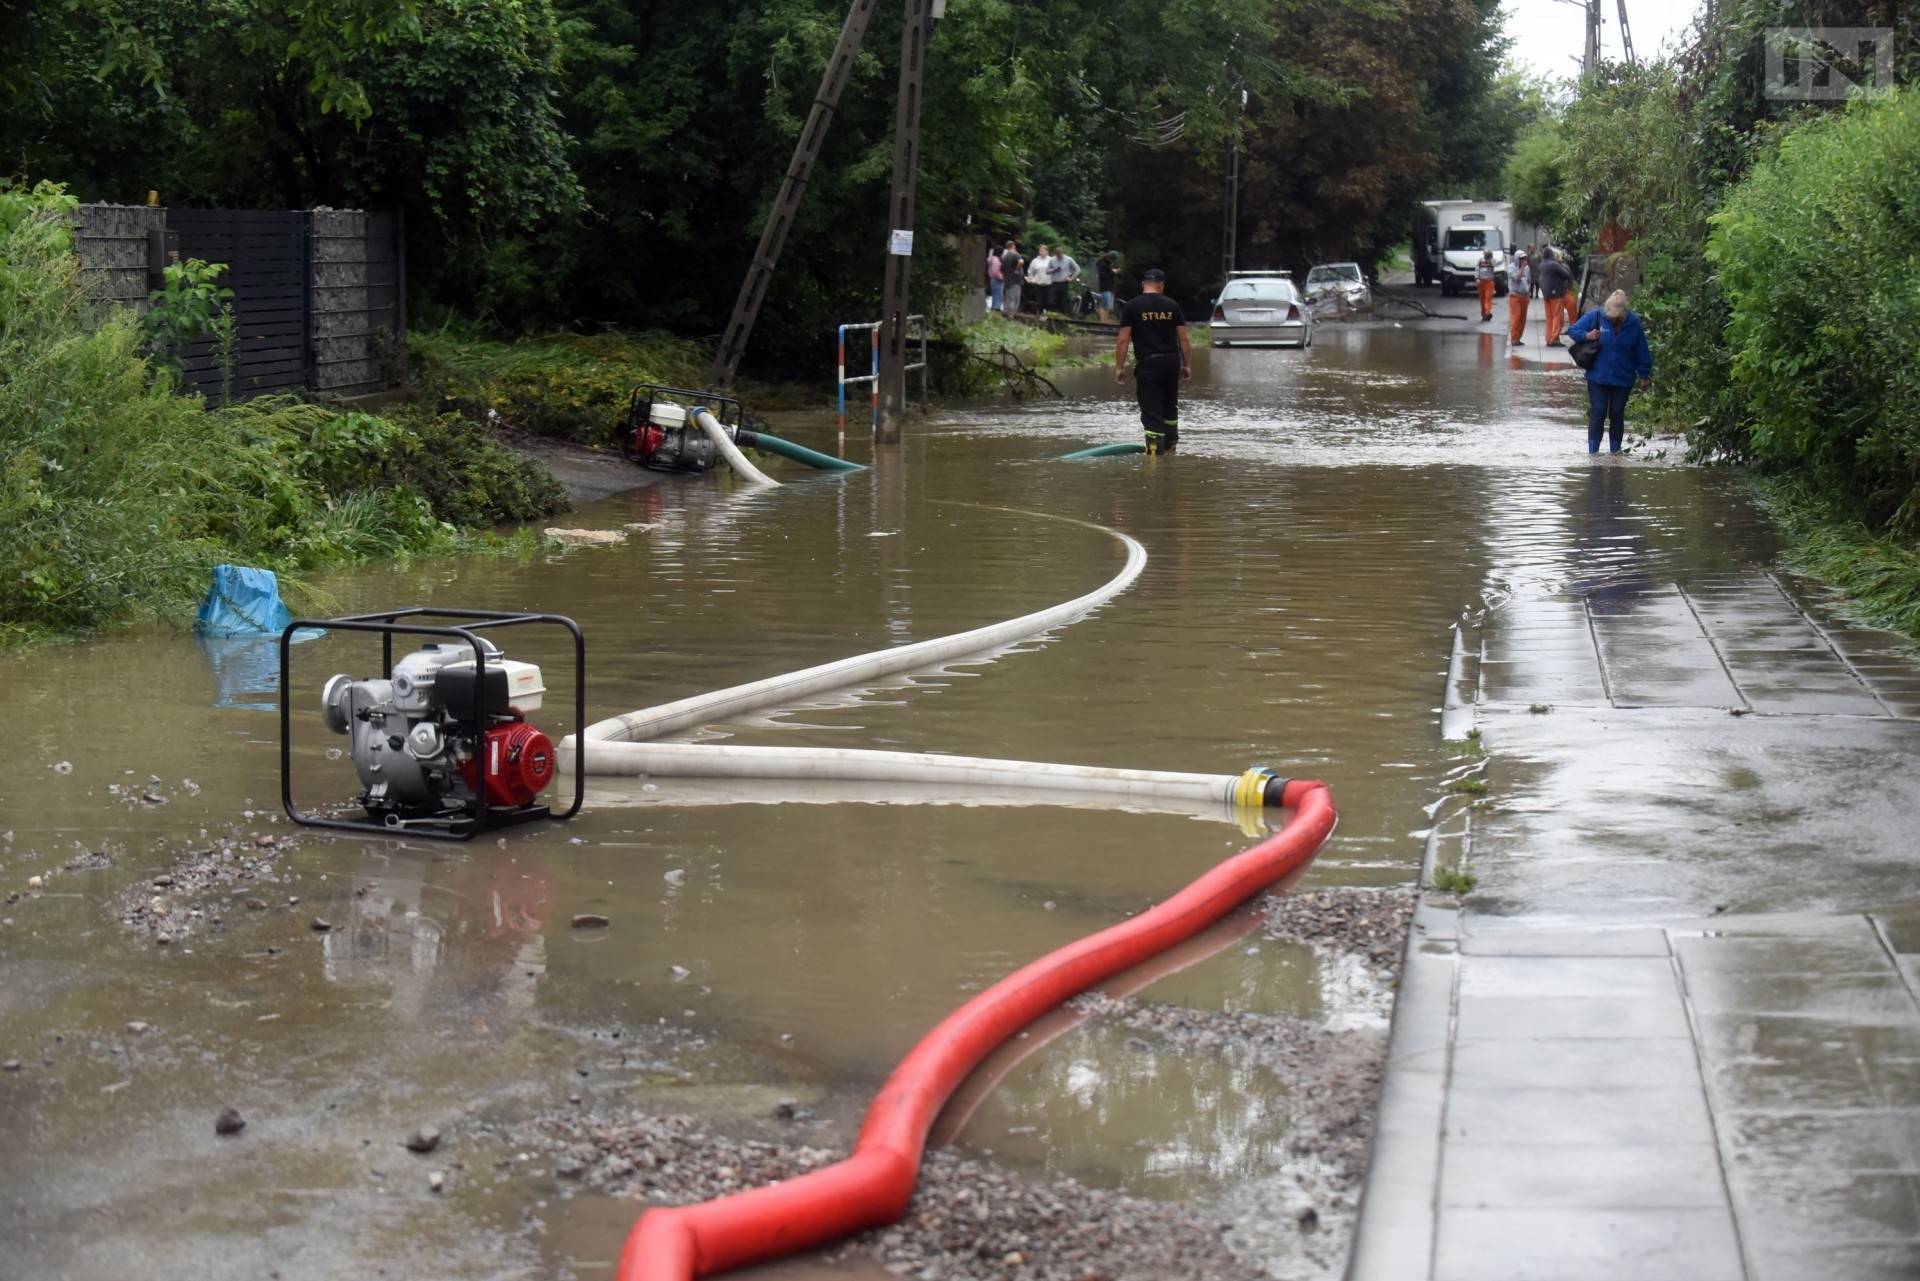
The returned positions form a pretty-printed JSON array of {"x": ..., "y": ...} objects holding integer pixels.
[{"x": 1586, "y": 350}]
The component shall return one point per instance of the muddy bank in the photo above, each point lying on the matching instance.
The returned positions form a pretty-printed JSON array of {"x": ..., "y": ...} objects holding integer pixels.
[{"x": 588, "y": 475}]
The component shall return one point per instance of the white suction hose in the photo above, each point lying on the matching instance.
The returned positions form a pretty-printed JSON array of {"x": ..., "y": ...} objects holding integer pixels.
[
  {"x": 726, "y": 704},
  {"x": 707, "y": 760},
  {"x": 740, "y": 462},
  {"x": 618, "y": 747}
]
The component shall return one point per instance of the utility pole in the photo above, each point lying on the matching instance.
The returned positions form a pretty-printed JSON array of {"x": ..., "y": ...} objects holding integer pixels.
[
  {"x": 1590, "y": 59},
  {"x": 906, "y": 173},
  {"x": 1626, "y": 34},
  {"x": 753, "y": 291},
  {"x": 1230, "y": 219}
]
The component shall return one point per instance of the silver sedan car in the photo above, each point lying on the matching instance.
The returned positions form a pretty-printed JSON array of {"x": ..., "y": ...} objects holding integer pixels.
[{"x": 1261, "y": 307}]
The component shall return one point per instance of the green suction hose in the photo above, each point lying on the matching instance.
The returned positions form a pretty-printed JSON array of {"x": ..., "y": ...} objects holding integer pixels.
[
  {"x": 1104, "y": 451},
  {"x": 787, "y": 449}
]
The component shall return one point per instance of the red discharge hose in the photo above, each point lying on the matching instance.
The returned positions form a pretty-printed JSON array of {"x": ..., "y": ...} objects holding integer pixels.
[{"x": 871, "y": 1188}]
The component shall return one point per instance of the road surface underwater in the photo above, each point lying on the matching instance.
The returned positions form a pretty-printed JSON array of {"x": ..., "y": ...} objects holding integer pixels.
[{"x": 772, "y": 949}]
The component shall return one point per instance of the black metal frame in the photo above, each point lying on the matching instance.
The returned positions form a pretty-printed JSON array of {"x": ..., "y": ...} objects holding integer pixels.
[
  {"x": 728, "y": 409},
  {"x": 479, "y": 816}
]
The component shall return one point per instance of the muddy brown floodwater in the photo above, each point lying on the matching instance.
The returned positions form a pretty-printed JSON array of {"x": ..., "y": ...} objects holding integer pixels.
[{"x": 772, "y": 952}]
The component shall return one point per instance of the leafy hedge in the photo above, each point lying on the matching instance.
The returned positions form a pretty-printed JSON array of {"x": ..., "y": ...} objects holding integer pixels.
[
  {"x": 116, "y": 496},
  {"x": 1818, "y": 253}
]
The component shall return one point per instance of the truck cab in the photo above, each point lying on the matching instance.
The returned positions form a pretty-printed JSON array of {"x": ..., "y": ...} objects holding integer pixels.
[{"x": 1467, "y": 229}]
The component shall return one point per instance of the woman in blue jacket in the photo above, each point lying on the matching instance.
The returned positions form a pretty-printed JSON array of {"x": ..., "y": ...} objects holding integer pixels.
[{"x": 1625, "y": 361}]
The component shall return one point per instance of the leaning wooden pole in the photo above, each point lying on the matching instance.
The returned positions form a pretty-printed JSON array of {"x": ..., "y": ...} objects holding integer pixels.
[{"x": 753, "y": 291}]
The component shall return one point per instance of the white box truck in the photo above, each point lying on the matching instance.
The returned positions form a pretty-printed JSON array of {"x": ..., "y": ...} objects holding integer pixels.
[{"x": 1464, "y": 229}]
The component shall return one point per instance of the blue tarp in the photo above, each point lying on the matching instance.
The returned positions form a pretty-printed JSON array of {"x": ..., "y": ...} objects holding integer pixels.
[{"x": 242, "y": 602}]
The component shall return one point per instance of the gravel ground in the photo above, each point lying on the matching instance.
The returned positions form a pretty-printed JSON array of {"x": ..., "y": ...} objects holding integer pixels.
[
  {"x": 971, "y": 1220},
  {"x": 967, "y": 1219},
  {"x": 187, "y": 895},
  {"x": 1369, "y": 923}
]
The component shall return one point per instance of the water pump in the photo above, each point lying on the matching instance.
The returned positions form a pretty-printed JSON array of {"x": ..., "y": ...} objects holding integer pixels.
[
  {"x": 441, "y": 740},
  {"x": 417, "y": 745},
  {"x": 658, "y": 430}
]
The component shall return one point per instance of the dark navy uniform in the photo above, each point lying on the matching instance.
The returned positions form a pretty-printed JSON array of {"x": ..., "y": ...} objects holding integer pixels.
[{"x": 1156, "y": 322}]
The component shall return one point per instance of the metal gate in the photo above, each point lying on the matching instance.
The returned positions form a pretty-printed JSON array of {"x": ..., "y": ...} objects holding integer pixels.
[{"x": 268, "y": 253}]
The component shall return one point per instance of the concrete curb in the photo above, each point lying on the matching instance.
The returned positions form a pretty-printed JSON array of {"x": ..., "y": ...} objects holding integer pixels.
[{"x": 1394, "y": 1233}]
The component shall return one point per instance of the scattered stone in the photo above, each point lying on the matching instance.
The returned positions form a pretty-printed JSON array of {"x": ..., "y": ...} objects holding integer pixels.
[
  {"x": 163, "y": 939},
  {"x": 1308, "y": 1219},
  {"x": 137, "y": 1028},
  {"x": 11, "y": 1065},
  {"x": 153, "y": 798},
  {"x": 1371, "y": 923},
  {"x": 255, "y": 905},
  {"x": 266, "y": 841},
  {"x": 229, "y": 1122},
  {"x": 423, "y": 1140},
  {"x": 589, "y": 921},
  {"x": 436, "y": 1180},
  {"x": 35, "y": 882},
  {"x": 678, "y": 973},
  {"x": 675, "y": 876},
  {"x": 63, "y": 767},
  {"x": 321, "y": 925}
]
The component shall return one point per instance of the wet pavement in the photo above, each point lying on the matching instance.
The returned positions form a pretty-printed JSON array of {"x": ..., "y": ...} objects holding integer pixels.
[
  {"x": 771, "y": 954},
  {"x": 1671, "y": 1028}
]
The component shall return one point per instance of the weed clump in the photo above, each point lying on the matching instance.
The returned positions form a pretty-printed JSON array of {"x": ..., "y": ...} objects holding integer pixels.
[{"x": 564, "y": 386}]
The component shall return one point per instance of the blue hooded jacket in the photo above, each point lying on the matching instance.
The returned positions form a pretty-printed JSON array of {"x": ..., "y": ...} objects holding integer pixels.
[{"x": 1624, "y": 354}]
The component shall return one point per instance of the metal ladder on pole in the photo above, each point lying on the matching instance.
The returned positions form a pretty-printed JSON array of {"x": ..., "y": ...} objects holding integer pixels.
[{"x": 773, "y": 238}]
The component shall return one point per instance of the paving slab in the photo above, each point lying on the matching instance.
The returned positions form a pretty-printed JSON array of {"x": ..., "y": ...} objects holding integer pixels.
[
  {"x": 1519, "y": 1244},
  {"x": 1682, "y": 1021}
]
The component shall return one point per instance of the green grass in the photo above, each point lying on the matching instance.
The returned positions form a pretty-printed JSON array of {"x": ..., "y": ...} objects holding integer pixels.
[
  {"x": 1474, "y": 786},
  {"x": 1451, "y": 880},
  {"x": 567, "y": 386},
  {"x": 1879, "y": 575},
  {"x": 1031, "y": 343}
]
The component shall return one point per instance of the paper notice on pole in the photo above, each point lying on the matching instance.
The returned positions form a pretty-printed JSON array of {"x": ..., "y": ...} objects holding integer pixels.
[{"x": 901, "y": 244}]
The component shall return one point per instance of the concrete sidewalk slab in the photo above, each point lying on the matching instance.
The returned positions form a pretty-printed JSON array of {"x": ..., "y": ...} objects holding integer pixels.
[{"x": 1674, "y": 1029}]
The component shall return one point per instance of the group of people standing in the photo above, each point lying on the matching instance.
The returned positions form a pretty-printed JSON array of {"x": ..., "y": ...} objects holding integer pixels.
[
  {"x": 1046, "y": 282},
  {"x": 1551, "y": 281}
]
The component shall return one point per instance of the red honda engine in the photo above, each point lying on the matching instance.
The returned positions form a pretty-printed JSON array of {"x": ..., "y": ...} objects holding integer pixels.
[{"x": 519, "y": 764}]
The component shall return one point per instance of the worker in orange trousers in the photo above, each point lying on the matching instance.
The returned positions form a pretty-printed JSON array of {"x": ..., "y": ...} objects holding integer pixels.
[
  {"x": 1519, "y": 295},
  {"x": 1483, "y": 277}
]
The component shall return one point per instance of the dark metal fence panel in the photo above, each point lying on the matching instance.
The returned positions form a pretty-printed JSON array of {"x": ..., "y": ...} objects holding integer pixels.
[{"x": 266, "y": 256}]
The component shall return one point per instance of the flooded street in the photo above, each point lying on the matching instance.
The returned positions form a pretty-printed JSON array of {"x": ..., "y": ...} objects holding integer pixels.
[{"x": 773, "y": 950}]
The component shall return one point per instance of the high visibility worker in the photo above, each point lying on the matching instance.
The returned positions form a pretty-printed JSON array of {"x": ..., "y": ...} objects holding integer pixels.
[
  {"x": 1519, "y": 291},
  {"x": 1483, "y": 277},
  {"x": 1163, "y": 358},
  {"x": 1555, "y": 283}
]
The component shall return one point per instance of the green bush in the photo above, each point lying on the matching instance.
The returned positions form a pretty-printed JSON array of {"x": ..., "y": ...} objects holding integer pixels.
[
  {"x": 1819, "y": 258},
  {"x": 565, "y": 386},
  {"x": 116, "y": 497}
]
